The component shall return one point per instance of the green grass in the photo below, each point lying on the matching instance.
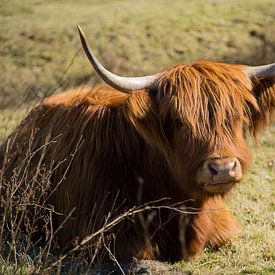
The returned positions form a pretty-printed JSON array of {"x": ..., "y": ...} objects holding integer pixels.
[
  {"x": 38, "y": 39},
  {"x": 40, "y": 53}
]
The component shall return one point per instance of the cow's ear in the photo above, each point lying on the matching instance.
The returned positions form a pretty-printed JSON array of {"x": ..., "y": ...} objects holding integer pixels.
[{"x": 264, "y": 92}]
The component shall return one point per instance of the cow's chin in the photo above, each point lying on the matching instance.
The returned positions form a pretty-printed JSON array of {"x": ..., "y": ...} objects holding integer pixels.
[{"x": 218, "y": 187}]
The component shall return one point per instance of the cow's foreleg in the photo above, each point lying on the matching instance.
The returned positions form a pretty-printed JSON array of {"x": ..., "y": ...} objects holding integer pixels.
[{"x": 213, "y": 226}]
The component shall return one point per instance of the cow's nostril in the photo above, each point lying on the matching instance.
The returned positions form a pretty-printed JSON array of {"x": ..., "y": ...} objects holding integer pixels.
[
  {"x": 212, "y": 169},
  {"x": 234, "y": 166}
]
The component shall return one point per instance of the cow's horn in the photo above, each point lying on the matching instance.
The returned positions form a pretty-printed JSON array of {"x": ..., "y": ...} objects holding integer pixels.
[
  {"x": 124, "y": 84},
  {"x": 265, "y": 71}
]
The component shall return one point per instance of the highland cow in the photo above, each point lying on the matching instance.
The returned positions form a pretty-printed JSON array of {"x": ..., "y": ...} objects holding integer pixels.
[{"x": 175, "y": 138}]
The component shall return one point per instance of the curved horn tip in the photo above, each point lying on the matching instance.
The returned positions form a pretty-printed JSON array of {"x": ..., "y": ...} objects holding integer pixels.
[
  {"x": 81, "y": 33},
  {"x": 80, "y": 30}
]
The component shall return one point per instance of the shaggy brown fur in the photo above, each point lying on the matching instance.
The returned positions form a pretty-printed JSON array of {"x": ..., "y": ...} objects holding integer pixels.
[{"x": 117, "y": 151}]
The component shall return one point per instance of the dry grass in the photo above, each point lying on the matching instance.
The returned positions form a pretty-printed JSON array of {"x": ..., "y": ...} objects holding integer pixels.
[{"x": 27, "y": 231}]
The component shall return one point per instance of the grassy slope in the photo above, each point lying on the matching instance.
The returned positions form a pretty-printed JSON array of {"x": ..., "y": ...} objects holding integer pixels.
[{"x": 38, "y": 42}]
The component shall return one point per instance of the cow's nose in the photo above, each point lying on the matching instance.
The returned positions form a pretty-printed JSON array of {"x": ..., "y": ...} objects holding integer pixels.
[{"x": 224, "y": 169}]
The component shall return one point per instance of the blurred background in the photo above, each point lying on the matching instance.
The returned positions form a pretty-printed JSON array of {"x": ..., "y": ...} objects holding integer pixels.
[
  {"x": 40, "y": 50},
  {"x": 40, "y": 54}
]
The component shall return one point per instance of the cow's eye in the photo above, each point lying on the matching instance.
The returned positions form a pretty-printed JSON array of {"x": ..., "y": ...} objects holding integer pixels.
[{"x": 178, "y": 122}]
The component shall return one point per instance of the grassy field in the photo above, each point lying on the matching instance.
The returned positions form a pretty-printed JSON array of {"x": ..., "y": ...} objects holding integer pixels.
[
  {"x": 38, "y": 39},
  {"x": 40, "y": 54}
]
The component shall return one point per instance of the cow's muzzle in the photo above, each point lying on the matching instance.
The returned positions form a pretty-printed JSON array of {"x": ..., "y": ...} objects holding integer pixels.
[{"x": 218, "y": 175}]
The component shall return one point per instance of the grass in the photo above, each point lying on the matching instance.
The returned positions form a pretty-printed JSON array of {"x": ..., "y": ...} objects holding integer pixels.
[
  {"x": 39, "y": 40},
  {"x": 40, "y": 54}
]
